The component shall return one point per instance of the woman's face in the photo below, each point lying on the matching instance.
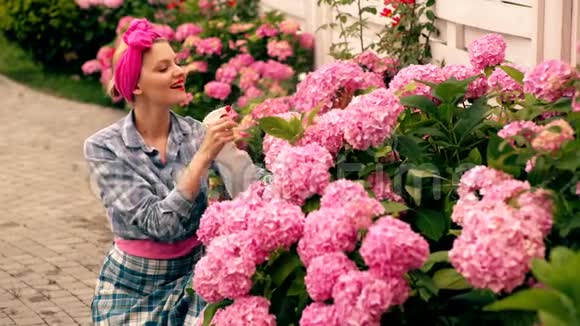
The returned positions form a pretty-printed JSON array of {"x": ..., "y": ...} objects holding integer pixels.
[{"x": 162, "y": 81}]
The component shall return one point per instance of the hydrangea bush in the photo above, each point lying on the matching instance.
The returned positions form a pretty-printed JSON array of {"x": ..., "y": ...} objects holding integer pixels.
[{"x": 433, "y": 199}]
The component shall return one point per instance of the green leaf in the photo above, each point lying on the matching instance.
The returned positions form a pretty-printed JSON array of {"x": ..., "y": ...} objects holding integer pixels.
[
  {"x": 392, "y": 207},
  {"x": 474, "y": 157},
  {"x": 422, "y": 103},
  {"x": 415, "y": 193},
  {"x": 432, "y": 224},
  {"x": 210, "y": 311},
  {"x": 430, "y": 3},
  {"x": 311, "y": 204},
  {"x": 279, "y": 127},
  {"x": 190, "y": 292},
  {"x": 423, "y": 173},
  {"x": 476, "y": 297},
  {"x": 452, "y": 90},
  {"x": 430, "y": 15},
  {"x": 515, "y": 74},
  {"x": 498, "y": 151},
  {"x": 369, "y": 9},
  {"x": 450, "y": 279},
  {"x": 535, "y": 299},
  {"x": 471, "y": 118},
  {"x": 408, "y": 146},
  {"x": 312, "y": 115},
  {"x": 424, "y": 282},
  {"x": 284, "y": 266},
  {"x": 434, "y": 258},
  {"x": 297, "y": 287}
]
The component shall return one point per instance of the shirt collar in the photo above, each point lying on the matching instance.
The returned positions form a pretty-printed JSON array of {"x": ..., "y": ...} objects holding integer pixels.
[{"x": 132, "y": 138}]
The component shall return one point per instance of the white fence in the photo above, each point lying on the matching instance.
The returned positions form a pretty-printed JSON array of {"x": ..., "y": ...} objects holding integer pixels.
[{"x": 534, "y": 29}]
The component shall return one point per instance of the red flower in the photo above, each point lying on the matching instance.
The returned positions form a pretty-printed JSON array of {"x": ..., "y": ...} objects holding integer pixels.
[
  {"x": 396, "y": 21},
  {"x": 386, "y": 12},
  {"x": 232, "y": 3}
]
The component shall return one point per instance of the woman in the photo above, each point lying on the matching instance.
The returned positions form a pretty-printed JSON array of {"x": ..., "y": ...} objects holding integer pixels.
[{"x": 151, "y": 168}]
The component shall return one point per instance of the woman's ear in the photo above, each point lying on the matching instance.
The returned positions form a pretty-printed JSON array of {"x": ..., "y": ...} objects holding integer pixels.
[{"x": 137, "y": 90}]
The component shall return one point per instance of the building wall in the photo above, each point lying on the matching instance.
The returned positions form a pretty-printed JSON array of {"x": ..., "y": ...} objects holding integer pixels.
[{"x": 535, "y": 30}]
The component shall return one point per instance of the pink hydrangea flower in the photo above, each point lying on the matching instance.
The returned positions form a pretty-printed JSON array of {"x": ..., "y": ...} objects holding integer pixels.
[
  {"x": 301, "y": 171},
  {"x": 226, "y": 74},
  {"x": 123, "y": 24},
  {"x": 326, "y": 230},
  {"x": 238, "y": 28},
  {"x": 280, "y": 49},
  {"x": 275, "y": 70},
  {"x": 537, "y": 208},
  {"x": 279, "y": 224},
  {"x": 306, "y": 40},
  {"x": 253, "y": 92},
  {"x": 90, "y": 67},
  {"x": 391, "y": 248},
  {"x": 241, "y": 60},
  {"x": 382, "y": 188},
  {"x": 551, "y": 140},
  {"x": 289, "y": 27},
  {"x": 209, "y": 46},
  {"x": 326, "y": 131},
  {"x": 113, "y": 4},
  {"x": 509, "y": 89},
  {"x": 352, "y": 198},
  {"x": 266, "y": 30},
  {"x": 323, "y": 272},
  {"x": 272, "y": 147},
  {"x": 361, "y": 298},
  {"x": 105, "y": 56},
  {"x": 248, "y": 78},
  {"x": 400, "y": 83},
  {"x": 197, "y": 66},
  {"x": 576, "y": 102},
  {"x": 476, "y": 88},
  {"x": 188, "y": 99},
  {"x": 185, "y": 30},
  {"x": 578, "y": 188},
  {"x": 166, "y": 32},
  {"x": 480, "y": 178},
  {"x": 183, "y": 54},
  {"x": 270, "y": 107},
  {"x": 488, "y": 50},
  {"x": 245, "y": 311},
  {"x": 218, "y": 90},
  {"x": 319, "y": 314},
  {"x": 222, "y": 218},
  {"x": 368, "y": 59},
  {"x": 496, "y": 250},
  {"x": 371, "y": 118},
  {"x": 548, "y": 80},
  {"x": 226, "y": 270},
  {"x": 322, "y": 87},
  {"x": 526, "y": 129},
  {"x": 106, "y": 76}
]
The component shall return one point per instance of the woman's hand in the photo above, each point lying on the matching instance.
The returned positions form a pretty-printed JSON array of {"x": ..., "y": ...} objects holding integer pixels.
[{"x": 218, "y": 134}]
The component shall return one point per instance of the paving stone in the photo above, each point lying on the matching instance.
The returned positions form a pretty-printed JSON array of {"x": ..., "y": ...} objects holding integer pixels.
[{"x": 52, "y": 225}]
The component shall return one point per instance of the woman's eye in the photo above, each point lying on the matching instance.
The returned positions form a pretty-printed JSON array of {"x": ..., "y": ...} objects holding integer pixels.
[{"x": 164, "y": 69}]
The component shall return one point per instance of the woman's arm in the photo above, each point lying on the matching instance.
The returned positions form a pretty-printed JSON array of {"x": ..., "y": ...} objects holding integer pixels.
[{"x": 132, "y": 202}]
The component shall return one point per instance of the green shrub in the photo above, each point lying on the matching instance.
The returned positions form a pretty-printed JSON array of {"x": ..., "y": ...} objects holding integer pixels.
[{"x": 58, "y": 33}]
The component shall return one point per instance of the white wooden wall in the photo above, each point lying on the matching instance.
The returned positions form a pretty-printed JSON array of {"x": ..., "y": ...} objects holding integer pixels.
[{"x": 534, "y": 29}]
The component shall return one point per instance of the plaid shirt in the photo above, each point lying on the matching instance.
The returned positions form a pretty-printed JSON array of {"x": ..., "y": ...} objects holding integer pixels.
[{"x": 137, "y": 189}]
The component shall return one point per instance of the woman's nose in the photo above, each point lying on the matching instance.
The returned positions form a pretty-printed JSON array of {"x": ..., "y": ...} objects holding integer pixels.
[{"x": 179, "y": 71}]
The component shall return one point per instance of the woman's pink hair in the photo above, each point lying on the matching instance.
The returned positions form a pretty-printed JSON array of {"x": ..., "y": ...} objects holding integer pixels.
[{"x": 139, "y": 37}]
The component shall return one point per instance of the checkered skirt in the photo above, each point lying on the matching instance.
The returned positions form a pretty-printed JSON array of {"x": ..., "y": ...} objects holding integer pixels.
[{"x": 139, "y": 291}]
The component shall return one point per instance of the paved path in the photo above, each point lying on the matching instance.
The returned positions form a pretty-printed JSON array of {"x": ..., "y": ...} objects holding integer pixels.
[{"x": 53, "y": 230}]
